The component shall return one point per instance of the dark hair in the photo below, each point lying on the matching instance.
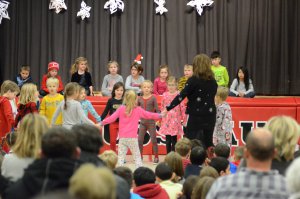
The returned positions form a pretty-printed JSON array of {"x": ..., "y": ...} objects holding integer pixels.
[
  {"x": 59, "y": 142},
  {"x": 215, "y": 54},
  {"x": 196, "y": 142},
  {"x": 116, "y": 86},
  {"x": 125, "y": 173},
  {"x": 202, "y": 67},
  {"x": 246, "y": 76},
  {"x": 88, "y": 137},
  {"x": 139, "y": 67},
  {"x": 219, "y": 163},
  {"x": 11, "y": 138},
  {"x": 222, "y": 150},
  {"x": 188, "y": 186},
  {"x": 198, "y": 155},
  {"x": 143, "y": 175},
  {"x": 163, "y": 171}
]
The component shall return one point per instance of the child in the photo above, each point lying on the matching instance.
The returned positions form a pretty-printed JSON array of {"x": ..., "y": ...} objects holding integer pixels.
[
  {"x": 9, "y": 90},
  {"x": 27, "y": 101},
  {"x": 24, "y": 76},
  {"x": 134, "y": 80},
  {"x": 171, "y": 125},
  {"x": 197, "y": 159},
  {"x": 238, "y": 155},
  {"x": 222, "y": 132},
  {"x": 221, "y": 74},
  {"x": 112, "y": 105},
  {"x": 110, "y": 79},
  {"x": 110, "y": 158},
  {"x": 183, "y": 147},
  {"x": 71, "y": 109},
  {"x": 51, "y": 101},
  {"x": 242, "y": 85},
  {"x": 87, "y": 105},
  {"x": 129, "y": 115},
  {"x": 160, "y": 83},
  {"x": 53, "y": 68},
  {"x": 80, "y": 74},
  {"x": 188, "y": 72},
  {"x": 149, "y": 103}
]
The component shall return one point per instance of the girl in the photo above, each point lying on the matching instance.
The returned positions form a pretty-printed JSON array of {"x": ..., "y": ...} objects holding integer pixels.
[
  {"x": 149, "y": 103},
  {"x": 242, "y": 85},
  {"x": 134, "y": 80},
  {"x": 71, "y": 109},
  {"x": 80, "y": 74},
  {"x": 112, "y": 105},
  {"x": 53, "y": 68},
  {"x": 171, "y": 124},
  {"x": 27, "y": 101},
  {"x": 129, "y": 115},
  {"x": 160, "y": 83},
  {"x": 110, "y": 79}
]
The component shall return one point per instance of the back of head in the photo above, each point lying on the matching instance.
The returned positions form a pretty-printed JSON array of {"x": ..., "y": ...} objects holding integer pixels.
[
  {"x": 163, "y": 171},
  {"x": 189, "y": 185},
  {"x": 239, "y": 153},
  {"x": 110, "y": 158},
  {"x": 143, "y": 175},
  {"x": 198, "y": 155},
  {"x": 70, "y": 90},
  {"x": 286, "y": 132},
  {"x": 88, "y": 138},
  {"x": 202, "y": 187},
  {"x": 222, "y": 92},
  {"x": 59, "y": 142},
  {"x": 209, "y": 171},
  {"x": 174, "y": 160},
  {"x": 129, "y": 101},
  {"x": 183, "y": 147},
  {"x": 222, "y": 150},
  {"x": 220, "y": 164},
  {"x": 125, "y": 173},
  {"x": 293, "y": 177},
  {"x": 90, "y": 182},
  {"x": 201, "y": 67},
  {"x": 196, "y": 142},
  {"x": 27, "y": 93},
  {"x": 8, "y": 85}
]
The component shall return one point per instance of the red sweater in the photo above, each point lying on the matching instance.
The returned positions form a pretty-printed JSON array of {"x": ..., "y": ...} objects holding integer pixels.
[
  {"x": 151, "y": 191},
  {"x": 44, "y": 85},
  {"x": 6, "y": 117}
]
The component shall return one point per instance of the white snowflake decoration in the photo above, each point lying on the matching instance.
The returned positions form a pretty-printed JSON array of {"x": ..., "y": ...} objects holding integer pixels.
[
  {"x": 114, "y": 5},
  {"x": 58, "y": 5},
  {"x": 199, "y": 4},
  {"x": 84, "y": 11},
  {"x": 3, "y": 10},
  {"x": 160, "y": 6}
]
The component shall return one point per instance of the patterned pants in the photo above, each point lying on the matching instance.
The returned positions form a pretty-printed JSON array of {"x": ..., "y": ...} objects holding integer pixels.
[
  {"x": 132, "y": 144},
  {"x": 142, "y": 132}
]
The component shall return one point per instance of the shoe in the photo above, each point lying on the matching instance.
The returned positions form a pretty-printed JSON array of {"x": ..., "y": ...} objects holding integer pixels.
[{"x": 155, "y": 161}]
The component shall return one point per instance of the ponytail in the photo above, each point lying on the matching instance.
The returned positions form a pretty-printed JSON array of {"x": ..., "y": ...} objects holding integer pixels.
[
  {"x": 129, "y": 101},
  {"x": 70, "y": 89}
]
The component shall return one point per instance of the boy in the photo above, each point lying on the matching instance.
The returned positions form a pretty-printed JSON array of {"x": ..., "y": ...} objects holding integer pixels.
[
  {"x": 51, "y": 100},
  {"x": 183, "y": 148},
  {"x": 223, "y": 150},
  {"x": 197, "y": 158},
  {"x": 188, "y": 72},
  {"x": 24, "y": 76},
  {"x": 9, "y": 90},
  {"x": 221, "y": 74},
  {"x": 110, "y": 158},
  {"x": 223, "y": 128}
]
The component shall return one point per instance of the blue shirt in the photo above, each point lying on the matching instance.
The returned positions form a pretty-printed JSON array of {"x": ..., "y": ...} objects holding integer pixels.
[{"x": 88, "y": 107}]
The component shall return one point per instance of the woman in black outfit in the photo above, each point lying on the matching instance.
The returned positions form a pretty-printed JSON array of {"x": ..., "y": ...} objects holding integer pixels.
[{"x": 200, "y": 90}]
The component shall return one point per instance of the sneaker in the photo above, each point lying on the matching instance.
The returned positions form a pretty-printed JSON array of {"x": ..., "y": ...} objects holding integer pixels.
[{"x": 155, "y": 161}]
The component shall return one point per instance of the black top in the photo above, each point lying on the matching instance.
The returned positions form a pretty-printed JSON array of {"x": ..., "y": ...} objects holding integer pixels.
[
  {"x": 111, "y": 106},
  {"x": 84, "y": 80},
  {"x": 201, "y": 94},
  {"x": 192, "y": 169}
]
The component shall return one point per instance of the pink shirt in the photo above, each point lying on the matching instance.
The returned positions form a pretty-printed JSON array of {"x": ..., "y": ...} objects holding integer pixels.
[
  {"x": 159, "y": 87},
  {"x": 128, "y": 125}
]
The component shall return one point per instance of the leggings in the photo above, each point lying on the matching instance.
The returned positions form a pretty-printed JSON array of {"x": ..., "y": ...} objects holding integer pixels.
[
  {"x": 170, "y": 143},
  {"x": 113, "y": 134},
  {"x": 142, "y": 132}
]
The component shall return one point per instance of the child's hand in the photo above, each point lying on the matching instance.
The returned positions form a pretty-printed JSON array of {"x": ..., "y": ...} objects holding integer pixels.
[
  {"x": 98, "y": 125},
  {"x": 158, "y": 124},
  {"x": 164, "y": 113}
]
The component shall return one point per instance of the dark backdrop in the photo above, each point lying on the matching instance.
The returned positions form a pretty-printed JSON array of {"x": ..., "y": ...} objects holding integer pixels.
[{"x": 260, "y": 34}]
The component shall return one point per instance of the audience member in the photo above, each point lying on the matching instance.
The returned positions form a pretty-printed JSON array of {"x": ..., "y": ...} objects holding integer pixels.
[
  {"x": 209, "y": 171},
  {"x": 292, "y": 179},
  {"x": 173, "y": 159},
  {"x": 110, "y": 158},
  {"x": 183, "y": 148},
  {"x": 221, "y": 165},
  {"x": 223, "y": 150},
  {"x": 188, "y": 186},
  {"x": 197, "y": 157},
  {"x": 202, "y": 187},
  {"x": 238, "y": 155}
]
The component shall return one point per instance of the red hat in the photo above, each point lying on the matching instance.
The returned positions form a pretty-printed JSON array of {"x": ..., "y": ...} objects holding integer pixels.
[
  {"x": 53, "y": 65},
  {"x": 138, "y": 59}
]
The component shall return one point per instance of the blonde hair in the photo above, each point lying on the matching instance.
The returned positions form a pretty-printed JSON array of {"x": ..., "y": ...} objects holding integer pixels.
[
  {"x": 90, "y": 182},
  {"x": 28, "y": 143},
  {"x": 112, "y": 62},
  {"x": 8, "y": 85},
  {"x": 172, "y": 79},
  {"x": 183, "y": 147},
  {"x": 129, "y": 101},
  {"x": 222, "y": 92},
  {"x": 202, "y": 67},
  {"x": 110, "y": 158},
  {"x": 27, "y": 94},
  {"x": 209, "y": 171},
  {"x": 202, "y": 187},
  {"x": 52, "y": 80},
  {"x": 188, "y": 66},
  {"x": 174, "y": 161},
  {"x": 146, "y": 82},
  {"x": 74, "y": 67},
  {"x": 70, "y": 89},
  {"x": 286, "y": 132}
]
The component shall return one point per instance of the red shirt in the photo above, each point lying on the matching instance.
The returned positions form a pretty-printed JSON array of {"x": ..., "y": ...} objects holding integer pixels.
[
  {"x": 6, "y": 117},
  {"x": 44, "y": 85},
  {"x": 159, "y": 87}
]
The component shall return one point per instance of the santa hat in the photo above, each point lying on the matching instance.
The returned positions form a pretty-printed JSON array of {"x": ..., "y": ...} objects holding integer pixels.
[
  {"x": 138, "y": 59},
  {"x": 53, "y": 65}
]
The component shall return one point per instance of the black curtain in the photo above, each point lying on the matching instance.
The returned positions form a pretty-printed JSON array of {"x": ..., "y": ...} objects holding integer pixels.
[{"x": 259, "y": 34}]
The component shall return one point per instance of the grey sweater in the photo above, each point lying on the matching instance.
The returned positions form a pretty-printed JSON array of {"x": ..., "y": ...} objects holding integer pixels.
[
  {"x": 236, "y": 88},
  {"x": 109, "y": 82},
  {"x": 134, "y": 84}
]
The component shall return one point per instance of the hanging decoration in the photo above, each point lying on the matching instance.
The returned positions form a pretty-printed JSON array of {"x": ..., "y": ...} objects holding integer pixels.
[
  {"x": 3, "y": 10},
  {"x": 58, "y": 5},
  {"x": 84, "y": 11},
  {"x": 114, "y": 5},
  {"x": 200, "y": 4},
  {"x": 160, "y": 7}
]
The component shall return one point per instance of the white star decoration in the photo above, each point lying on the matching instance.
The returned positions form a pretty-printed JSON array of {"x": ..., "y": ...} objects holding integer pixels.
[
  {"x": 160, "y": 6},
  {"x": 199, "y": 4},
  {"x": 3, "y": 10},
  {"x": 58, "y": 5},
  {"x": 114, "y": 5},
  {"x": 84, "y": 11}
]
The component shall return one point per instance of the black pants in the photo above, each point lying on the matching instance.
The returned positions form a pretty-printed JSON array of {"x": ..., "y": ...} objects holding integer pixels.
[{"x": 170, "y": 143}]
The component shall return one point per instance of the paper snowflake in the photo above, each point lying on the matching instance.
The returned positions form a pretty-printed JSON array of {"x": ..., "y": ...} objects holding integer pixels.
[
  {"x": 58, "y": 5},
  {"x": 114, "y": 5},
  {"x": 199, "y": 4},
  {"x": 84, "y": 11},
  {"x": 160, "y": 6},
  {"x": 3, "y": 10}
]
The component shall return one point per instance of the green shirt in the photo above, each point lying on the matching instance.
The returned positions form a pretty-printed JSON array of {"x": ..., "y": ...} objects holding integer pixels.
[{"x": 221, "y": 75}]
